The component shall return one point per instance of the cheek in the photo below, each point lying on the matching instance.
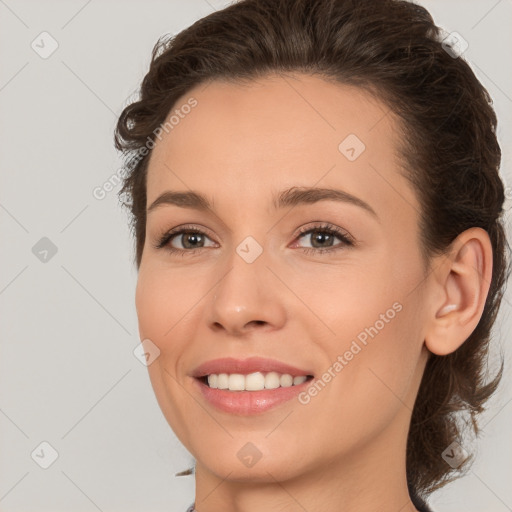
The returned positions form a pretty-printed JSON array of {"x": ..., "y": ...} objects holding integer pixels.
[
  {"x": 162, "y": 301},
  {"x": 150, "y": 303},
  {"x": 356, "y": 300},
  {"x": 371, "y": 385},
  {"x": 376, "y": 335}
]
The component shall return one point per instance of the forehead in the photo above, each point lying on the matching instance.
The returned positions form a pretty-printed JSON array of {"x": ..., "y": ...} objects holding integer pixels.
[{"x": 243, "y": 141}]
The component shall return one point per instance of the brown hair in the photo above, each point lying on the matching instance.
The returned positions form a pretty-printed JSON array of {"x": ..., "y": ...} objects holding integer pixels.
[{"x": 391, "y": 48}]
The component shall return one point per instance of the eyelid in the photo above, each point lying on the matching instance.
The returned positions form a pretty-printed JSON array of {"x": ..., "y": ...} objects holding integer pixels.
[
  {"x": 327, "y": 227},
  {"x": 164, "y": 238}
]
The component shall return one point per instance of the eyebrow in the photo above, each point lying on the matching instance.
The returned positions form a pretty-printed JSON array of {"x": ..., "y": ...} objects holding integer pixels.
[{"x": 291, "y": 197}]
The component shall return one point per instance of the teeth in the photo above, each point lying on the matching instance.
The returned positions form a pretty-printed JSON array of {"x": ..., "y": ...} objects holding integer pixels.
[
  {"x": 299, "y": 380},
  {"x": 272, "y": 380},
  {"x": 236, "y": 382},
  {"x": 223, "y": 381},
  {"x": 256, "y": 381},
  {"x": 213, "y": 381},
  {"x": 286, "y": 380}
]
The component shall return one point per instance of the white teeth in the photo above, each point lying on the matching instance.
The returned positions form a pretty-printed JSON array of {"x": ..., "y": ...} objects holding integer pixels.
[
  {"x": 286, "y": 380},
  {"x": 236, "y": 382},
  {"x": 272, "y": 380},
  {"x": 299, "y": 380},
  {"x": 256, "y": 381},
  {"x": 223, "y": 381},
  {"x": 212, "y": 380}
]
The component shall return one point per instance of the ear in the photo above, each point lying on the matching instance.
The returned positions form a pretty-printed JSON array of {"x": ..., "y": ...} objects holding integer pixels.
[{"x": 461, "y": 285}]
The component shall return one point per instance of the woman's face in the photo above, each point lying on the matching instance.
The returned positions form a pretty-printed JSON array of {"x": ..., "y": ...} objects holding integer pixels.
[{"x": 323, "y": 284}]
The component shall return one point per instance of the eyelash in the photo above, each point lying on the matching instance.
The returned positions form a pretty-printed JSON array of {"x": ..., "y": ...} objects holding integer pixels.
[{"x": 346, "y": 240}]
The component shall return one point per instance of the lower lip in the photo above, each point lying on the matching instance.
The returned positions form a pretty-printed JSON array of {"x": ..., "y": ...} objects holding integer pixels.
[{"x": 249, "y": 402}]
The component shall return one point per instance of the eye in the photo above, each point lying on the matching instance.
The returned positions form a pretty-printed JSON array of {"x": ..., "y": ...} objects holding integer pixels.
[
  {"x": 322, "y": 238},
  {"x": 187, "y": 240},
  {"x": 183, "y": 240}
]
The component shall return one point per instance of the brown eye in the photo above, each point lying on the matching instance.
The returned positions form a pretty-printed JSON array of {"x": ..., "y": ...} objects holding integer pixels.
[
  {"x": 322, "y": 239},
  {"x": 184, "y": 240},
  {"x": 190, "y": 239}
]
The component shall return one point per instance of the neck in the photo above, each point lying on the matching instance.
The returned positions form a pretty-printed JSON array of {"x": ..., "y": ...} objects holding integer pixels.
[{"x": 368, "y": 479}]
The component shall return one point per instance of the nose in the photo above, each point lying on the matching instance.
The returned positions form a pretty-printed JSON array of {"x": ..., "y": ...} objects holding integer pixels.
[{"x": 247, "y": 297}]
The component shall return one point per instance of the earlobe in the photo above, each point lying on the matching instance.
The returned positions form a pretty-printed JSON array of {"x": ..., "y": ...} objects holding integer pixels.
[{"x": 462, "y": 283}]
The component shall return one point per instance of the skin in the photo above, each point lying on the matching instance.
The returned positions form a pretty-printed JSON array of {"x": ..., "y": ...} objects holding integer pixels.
[{"x": 345, "y": 449}]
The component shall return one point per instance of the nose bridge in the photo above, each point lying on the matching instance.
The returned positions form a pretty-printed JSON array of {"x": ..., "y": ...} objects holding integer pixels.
[{"x": 244, "y": 295}]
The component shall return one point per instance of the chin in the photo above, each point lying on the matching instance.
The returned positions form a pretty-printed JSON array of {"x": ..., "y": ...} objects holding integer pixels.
[{"x": 266, "y": 469}]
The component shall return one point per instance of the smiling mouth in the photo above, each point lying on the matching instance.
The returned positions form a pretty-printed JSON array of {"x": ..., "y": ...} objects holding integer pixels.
[{"x": 256, "y": 381}]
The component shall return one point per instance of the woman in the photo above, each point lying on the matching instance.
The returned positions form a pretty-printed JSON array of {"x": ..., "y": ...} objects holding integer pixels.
[{"x": 317, "y": 214}]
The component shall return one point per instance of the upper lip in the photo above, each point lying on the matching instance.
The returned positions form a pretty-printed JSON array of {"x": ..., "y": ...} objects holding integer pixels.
[{"x": 246, "y": 366}]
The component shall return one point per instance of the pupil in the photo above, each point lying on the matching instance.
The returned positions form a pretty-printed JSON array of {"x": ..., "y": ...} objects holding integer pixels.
[
  {"x": 192, "y": 236},
  {"x": 321, "y": 237}
]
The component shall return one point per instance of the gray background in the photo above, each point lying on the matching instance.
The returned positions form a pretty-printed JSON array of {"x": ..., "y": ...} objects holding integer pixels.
[{"x": 68, "y": 374}]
